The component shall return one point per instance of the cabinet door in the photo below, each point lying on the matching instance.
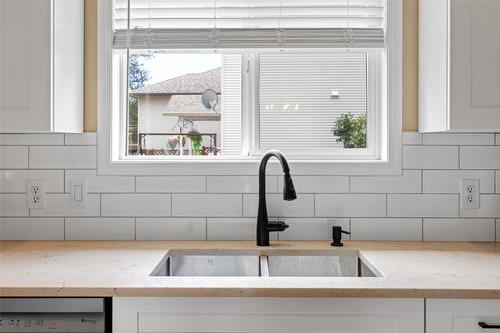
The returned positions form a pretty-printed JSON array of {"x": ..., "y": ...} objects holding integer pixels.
[
  {"x": 474, "y": 65},
  {"x": 25, "y": 65},
  {"x": 266, "y": 315},
  {"x": 461, "y": 316}
]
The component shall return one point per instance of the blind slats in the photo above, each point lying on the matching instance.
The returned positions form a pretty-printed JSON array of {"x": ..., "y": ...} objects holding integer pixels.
[
  {"x": 240, "y": 38},
  {"x": 211, "y": 24},
  {"x": 294, "y": 116}
]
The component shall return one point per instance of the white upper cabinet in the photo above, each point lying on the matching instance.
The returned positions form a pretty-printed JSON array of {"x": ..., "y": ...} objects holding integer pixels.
[
  {"x": 459, "y": 65},
  {"x": 41, "y": 66}
]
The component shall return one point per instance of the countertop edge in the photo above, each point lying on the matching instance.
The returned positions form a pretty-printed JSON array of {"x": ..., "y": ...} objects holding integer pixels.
[{"x": 253, "y": 292}]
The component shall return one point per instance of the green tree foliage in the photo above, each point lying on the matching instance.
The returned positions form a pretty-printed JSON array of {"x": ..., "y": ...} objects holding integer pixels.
[
  {"x": 351, "y": 131},
  {"x": 137, "y": 77}
]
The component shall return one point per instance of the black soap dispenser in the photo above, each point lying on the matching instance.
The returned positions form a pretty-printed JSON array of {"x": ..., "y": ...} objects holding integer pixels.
[{"x": 337, "y": 235}]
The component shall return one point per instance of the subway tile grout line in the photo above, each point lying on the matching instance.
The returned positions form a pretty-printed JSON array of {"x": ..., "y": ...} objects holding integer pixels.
[
  {"x": 422, "y": 225},
  {"x": 314, "y": 204},
  {"x": 387, "y": 205},
  {"x": 459, "y": 158},
  {"x": 135, "y": 228},
  {"x": 421, "y": 182},
  {"x": 206, "y": 228}
]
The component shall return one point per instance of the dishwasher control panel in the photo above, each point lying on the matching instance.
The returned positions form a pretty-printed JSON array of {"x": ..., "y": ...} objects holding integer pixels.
[{"x": 52, "y": 322}]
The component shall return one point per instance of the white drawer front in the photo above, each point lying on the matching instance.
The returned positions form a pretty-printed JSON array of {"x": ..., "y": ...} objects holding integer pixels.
[
  {"x": 266, "y": 322},
  {"x": 462, "y": 316},
  {"x": 267, "y": 315},
  {"x": 469, "y": 324}
]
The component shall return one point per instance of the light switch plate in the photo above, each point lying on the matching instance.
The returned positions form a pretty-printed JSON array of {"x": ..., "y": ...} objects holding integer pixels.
[{"x": 78, "y": 193}]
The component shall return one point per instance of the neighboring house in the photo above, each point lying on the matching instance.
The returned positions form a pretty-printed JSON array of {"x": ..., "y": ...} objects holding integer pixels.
[{"x": 162, "y": 107}]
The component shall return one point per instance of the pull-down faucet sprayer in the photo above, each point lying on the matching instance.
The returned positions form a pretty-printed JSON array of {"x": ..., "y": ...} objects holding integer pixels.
[{"x": 263, "y": 225}]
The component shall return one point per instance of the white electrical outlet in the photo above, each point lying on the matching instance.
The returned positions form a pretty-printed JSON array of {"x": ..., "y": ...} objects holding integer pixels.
[
  {"x": 35, "y": 193},
  {"x": 469, "y": 195}
]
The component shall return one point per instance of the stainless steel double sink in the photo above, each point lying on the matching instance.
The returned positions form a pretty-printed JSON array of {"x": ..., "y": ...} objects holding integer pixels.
[{"x": 303, "y": 263}]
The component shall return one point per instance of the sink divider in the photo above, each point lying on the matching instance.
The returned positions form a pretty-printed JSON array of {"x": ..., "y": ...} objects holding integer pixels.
[{"x": 264, "y": 266}]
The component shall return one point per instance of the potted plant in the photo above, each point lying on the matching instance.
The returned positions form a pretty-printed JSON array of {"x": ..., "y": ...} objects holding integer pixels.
[
  {"x": 196, "y": 141},
  {"x": 350, "y": 131},
  {"x": 172, "y": 143}
]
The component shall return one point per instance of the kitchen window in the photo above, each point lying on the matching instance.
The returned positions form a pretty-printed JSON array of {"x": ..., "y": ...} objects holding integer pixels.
[{"x": 214, "y": 84}]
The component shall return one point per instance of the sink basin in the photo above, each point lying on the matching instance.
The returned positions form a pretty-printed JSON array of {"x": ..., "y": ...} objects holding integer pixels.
[
  {"x": 209, "y": 265},
  {"x": 264, "y": 264},
  {"x": 313, "y": 265}
]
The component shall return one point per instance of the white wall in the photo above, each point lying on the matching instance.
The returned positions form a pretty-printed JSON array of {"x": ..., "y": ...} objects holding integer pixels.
[{"x": 423, "y": 203}]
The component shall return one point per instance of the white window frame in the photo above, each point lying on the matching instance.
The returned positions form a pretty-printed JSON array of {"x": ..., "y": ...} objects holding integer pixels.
[{"x": 111, "y": 161}]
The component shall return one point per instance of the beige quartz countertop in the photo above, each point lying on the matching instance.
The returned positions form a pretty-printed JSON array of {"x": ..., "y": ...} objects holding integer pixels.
[{"x": 122, "y": 268}]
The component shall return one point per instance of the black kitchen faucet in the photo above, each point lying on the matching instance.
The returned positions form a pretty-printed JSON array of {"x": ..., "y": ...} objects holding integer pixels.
[{"x": 263, "y": 224}]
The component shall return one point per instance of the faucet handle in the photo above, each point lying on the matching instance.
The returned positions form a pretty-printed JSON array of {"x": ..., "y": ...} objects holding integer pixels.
[
  {"x": 337, "y": 235},
  {"x": 276, "y": 225}
]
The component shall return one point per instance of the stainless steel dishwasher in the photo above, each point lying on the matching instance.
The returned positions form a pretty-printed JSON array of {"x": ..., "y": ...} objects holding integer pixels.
[{"x": 69, "y": 315}]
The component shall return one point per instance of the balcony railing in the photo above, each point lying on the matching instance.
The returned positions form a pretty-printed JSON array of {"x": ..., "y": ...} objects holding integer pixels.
[{"x": 183, "y": 145}]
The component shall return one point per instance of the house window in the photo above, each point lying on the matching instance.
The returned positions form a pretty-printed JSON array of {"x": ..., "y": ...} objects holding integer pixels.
[{"x": 227, "y": 80}]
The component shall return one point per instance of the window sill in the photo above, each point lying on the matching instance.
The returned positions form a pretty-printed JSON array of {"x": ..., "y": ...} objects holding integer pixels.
[{"x": 248, "y": 167}]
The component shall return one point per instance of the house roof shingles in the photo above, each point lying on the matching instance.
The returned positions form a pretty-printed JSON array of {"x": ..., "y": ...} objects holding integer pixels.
[
  {"x": 189, "y": 107},
  {"x": 189, "y": 84}
]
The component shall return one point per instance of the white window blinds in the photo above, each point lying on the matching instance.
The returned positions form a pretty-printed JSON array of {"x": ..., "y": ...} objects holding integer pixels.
[
  {"x": 240, "y": 24},
  {"x": 302, "y": 95}
]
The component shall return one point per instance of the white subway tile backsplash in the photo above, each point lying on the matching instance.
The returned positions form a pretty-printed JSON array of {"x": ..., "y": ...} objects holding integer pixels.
[
  {"x": 171, "y": 184},
  {"x": 489, "y": 206},
  {"x": 313, "y": 228},
  {"x": 13, "y": 205},
  {"x": 497, "y": 185},
  {"x": 63, "y": 157},
  {"x": 31, "y": 139},
  {"x": 58, "y": 204},
  {"x": 386, "y": 229},
  {"x": 172, "y": 228},
  {"x": 15, "y": 180},
  {"x": 135, "y": 204},
  {"x": 99, "y": 228},
  {"x": 430, "y": 157},
  {"x": 240, "y": 184},
  {"x": 13, "y": 157},
  {"x": 225, "y": 207},
  {"x": 83, "y": 139},
  {"x": 350, "y": 205},
  {"x": 458, "y": 139},
  {"x": 20, "y": 228},
  {"x": 318, "y": 184},
  {"x": 459, "y": 230},
  {"x": 412, "y": 138},
  {"x": 448, "y": 181},
  {"x": 498, "y": 230},
  {"x": 100, "y": 184},
  {"x": 234, "y": 229},
  {"x": 409, "y": 182},
  {"x": 277, "y": 207},
  {"x": 205, "y": 205},
  {"x": 422, "y": 205},
  {"x": 480, "y": 157}
]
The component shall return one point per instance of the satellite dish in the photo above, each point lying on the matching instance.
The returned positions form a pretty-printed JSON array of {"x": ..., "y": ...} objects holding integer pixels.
[{"x": 209, "y": 99}]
